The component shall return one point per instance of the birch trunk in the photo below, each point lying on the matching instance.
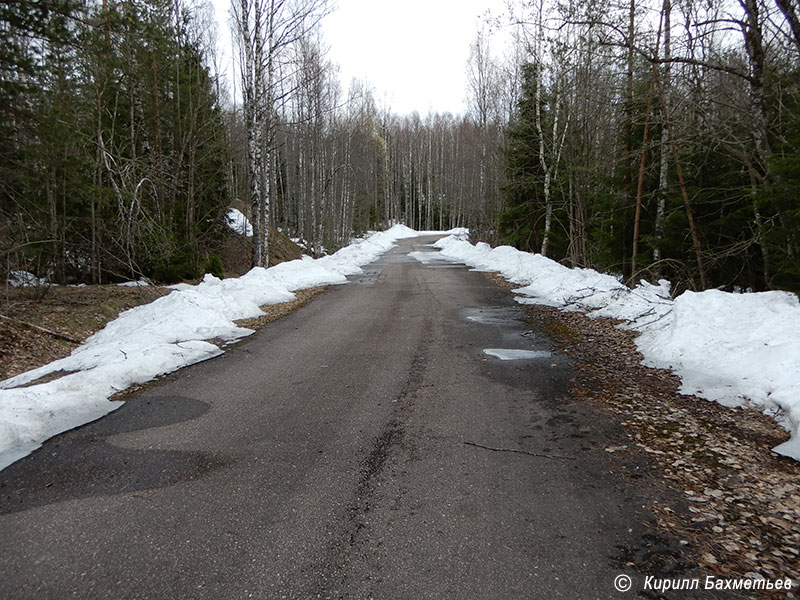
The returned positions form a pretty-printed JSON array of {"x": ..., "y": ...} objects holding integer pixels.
[
  {"x": 663, "y": 170},
  {"x": 753, "y": 39}
]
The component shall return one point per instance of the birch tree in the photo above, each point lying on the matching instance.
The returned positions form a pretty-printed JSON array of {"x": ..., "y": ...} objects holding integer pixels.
[
  {"x": 663, "y": 167},
  {"x": 485, "y": 92},
  {"x": 550, "y": 138},
  {"x": 266, "y": 31}
]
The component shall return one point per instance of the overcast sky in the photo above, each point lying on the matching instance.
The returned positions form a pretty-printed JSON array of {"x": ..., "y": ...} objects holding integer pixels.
[{"x": 412, "y": 52}]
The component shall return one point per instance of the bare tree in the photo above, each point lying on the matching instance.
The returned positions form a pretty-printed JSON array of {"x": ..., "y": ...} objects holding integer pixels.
[
  {"x": 791, "y": 11},
  {"x": 663, "y": 167},
  {"x": 266, "y": 30}
]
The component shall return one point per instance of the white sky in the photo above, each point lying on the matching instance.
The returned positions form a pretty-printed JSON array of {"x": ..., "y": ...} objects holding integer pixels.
[{"x": 413, "y": 53}]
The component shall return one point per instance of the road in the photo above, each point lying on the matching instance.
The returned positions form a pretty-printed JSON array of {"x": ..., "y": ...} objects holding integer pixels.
[{"x": 365, "y": 446}]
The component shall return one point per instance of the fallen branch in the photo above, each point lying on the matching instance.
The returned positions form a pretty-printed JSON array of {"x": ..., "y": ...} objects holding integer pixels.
[
  {"x": 657, "y": 319},
  {"x": 42, "y": 330},
  {"x": 553, "y": 456}
]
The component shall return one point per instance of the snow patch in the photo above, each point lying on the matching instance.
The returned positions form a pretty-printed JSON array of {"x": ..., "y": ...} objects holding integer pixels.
[
  {"x": 516, "y": 354},
  {"x": 25, "y": 279},
  {"x": 427, "y": 258},
  {"x": 143, "y": 282},
  {"x": 238, "y": 222}
]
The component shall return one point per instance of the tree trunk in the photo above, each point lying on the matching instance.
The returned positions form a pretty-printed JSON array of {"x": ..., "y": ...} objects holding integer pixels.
[
  {"x": 640, "y": 186},
  {"x": 790, "y": 10},
  {"x": 663, "y": 171},
  {"x": 755, "y": 50},
  {"x": 689, "y": 215}
]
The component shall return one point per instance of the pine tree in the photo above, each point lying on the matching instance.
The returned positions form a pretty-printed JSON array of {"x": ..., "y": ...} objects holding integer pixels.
[{"x": 522, "y": 219}]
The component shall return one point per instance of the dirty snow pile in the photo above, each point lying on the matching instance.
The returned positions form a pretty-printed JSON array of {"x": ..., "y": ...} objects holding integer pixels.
[
  {"x": 24, "y": 279},
  {"x": 157, "y": 338},
  {"x": 736, "y": 349}
]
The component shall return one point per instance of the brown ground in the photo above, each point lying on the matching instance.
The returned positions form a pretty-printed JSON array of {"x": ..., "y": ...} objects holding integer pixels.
[
  {"x": 274, "y": 312},
  {"x": 73, "y": 312},
  {"x": 741, "y": 509},
  {"x": 235, "y": 251}
]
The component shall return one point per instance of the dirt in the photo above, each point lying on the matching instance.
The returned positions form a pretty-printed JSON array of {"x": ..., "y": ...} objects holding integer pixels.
[
  {"x": 274, "y": 312},
  {"x": 235, "y": 251},
  {"x": 739, "y": 508}
]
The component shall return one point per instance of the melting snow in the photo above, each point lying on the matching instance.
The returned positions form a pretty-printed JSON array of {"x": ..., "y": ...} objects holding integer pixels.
[
  {"x": 157, "y": 338},
  {"x": 238, "y": 222},
  {"x": 515, "y": 354},
  {"x": 429, "y": 257},
  {"x": 24, "y": 279}
]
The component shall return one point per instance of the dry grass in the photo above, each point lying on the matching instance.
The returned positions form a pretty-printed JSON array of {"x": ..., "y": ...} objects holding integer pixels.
[{"x": 73, "y": 312}]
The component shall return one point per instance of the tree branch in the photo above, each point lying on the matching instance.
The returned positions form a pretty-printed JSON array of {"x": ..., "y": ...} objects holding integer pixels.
[{"x": 60, "y": 336}]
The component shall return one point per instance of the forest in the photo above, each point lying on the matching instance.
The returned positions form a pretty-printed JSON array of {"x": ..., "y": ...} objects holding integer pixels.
[{"x": 656, "y": 139}]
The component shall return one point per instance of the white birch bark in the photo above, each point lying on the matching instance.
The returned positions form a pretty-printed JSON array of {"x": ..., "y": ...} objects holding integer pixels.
[
  {"x": 548, "y": 160},
  {"x": 663, "y": 169},
  {"x": 266, "y": 30}
]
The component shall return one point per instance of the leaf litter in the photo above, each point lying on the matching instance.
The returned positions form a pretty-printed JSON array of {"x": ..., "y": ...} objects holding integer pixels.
[{"x": 741, "y": 515}]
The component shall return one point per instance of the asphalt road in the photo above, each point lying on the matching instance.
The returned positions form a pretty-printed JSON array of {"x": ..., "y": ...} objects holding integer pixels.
[{"x": 363, "y": 447}]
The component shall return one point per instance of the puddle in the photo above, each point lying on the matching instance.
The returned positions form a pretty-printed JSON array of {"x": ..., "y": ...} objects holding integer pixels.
[
  {"x": 516, "y": 354},
  {"x": 394, "y": 256},
  {"x": 509, "y": 316}
]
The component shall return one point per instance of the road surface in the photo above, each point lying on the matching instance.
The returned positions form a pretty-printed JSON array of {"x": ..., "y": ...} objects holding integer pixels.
[{"x": 365, "y": 446}]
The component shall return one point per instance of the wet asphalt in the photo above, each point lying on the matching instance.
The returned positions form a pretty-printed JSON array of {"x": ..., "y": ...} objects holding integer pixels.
[{"x": 365, "y": 446}]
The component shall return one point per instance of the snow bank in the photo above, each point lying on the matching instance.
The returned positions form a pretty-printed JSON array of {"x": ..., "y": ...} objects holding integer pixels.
[
  {"x": 349, "y": 259},
  {"x": 158, "y": 338},
  {"x": 735, "y": 349}
]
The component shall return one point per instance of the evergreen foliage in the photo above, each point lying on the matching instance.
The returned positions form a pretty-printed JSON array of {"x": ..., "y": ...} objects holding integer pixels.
[
  {"x": 121, "y": 169},
  {"x": 735, "y": 218},
  {"x": 521, "y": 220},
  {"x": 118, "y": 160}
]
